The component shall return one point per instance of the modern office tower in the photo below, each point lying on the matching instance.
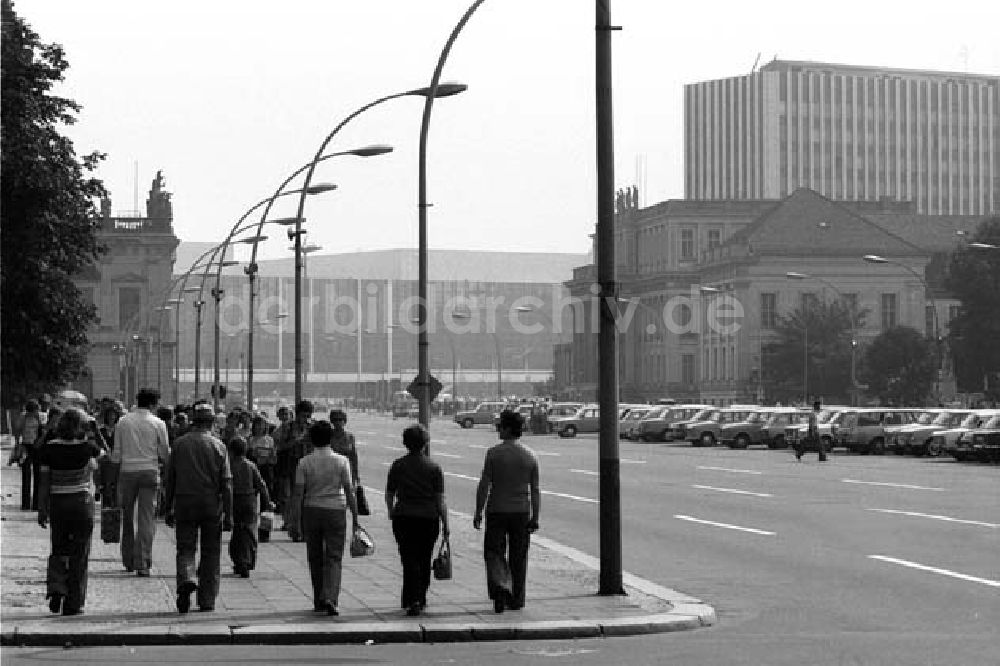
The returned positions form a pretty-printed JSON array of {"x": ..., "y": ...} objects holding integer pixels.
[{"x": 849, "y": 133}]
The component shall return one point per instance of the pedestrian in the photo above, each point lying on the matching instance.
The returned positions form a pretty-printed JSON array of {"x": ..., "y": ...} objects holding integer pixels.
[
  {"x": 66, "y": 499},
  {"x": 27, "y": 436},
  {"x": 322, "y": 492},
  {"x": 50, "y": 419},
  {"x": 414, "y": 495},
  {"x": 260, "y": 449},
  {"x": 343, "y": 442},
  {"x": 812, "y": 435},
  {"x": 291, "y": 441},
  {"x": 200, "y": 507},
  {"x": 141, "y": 446},
  {"x": 508, "y": 491},
  {"x": 248, "y": 486}
]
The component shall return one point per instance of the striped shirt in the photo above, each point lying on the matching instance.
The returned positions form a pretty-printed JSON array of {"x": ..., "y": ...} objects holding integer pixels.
[{"x": 71, "y": 464}]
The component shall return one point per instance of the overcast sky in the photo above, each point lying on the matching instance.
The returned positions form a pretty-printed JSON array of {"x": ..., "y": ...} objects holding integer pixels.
[{"x": 229, "y": 97}]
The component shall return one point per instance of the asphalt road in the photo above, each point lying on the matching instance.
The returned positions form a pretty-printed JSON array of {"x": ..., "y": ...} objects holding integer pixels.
[{"x": 859, "y": 560}]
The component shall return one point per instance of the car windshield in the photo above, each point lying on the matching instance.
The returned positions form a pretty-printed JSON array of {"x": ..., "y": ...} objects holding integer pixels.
[
  {"x": 926, "y": 418},
  {"x": 757, "y": 417},
  {"x": 970, "y": 421},
  {"x": 701, "y": 415},
  {"x": 734, "y": 417},
  {"x": 636, "y": 414},
  {"x": 992, "y": 422},
  {"x": 827, "y": 417},
  {"x": 655, "y": 412},
  {"x": 946, "y": 418}
]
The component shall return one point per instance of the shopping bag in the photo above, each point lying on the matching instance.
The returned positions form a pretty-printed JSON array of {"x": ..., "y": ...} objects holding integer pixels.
[
  {"x": 264, "y": 527},
  {"x": 442, "y": 563},
  {"x": 362, "y": 543},
  {"x": 111, "y": 524},
  {"x": 363, "y": 508}
]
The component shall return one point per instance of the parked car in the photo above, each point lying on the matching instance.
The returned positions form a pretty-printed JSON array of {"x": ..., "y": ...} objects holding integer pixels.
[
  {"x": 708, "y": 431},
  {"x": 523, "y": 408},
  {"x": 986, "y": 444},
  {"x": 947, "y": 440},
  {"x": 661, "y": 423},
  {"x": 750, "y": 430},
  {"x": 827, "y": 419},
  {"x": 773, "y": 429},
  {"x": 586, "y": 419},
  {"x": 915, "y": 438},
  {"x": 483, "y": 414},
  {"x": 629, "y": 416},
  {"x": 863, "y": 430}
]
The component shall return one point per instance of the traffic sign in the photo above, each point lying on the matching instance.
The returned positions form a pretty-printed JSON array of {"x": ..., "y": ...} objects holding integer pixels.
[{"x": 432, "y": 387}]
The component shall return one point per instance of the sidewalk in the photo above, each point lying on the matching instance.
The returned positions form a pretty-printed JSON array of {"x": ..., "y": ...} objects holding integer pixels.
[{"x": 275, "y": 604}]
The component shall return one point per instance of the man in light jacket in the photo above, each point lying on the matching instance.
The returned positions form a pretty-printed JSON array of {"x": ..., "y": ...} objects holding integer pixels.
[{"x": 141, "y": 445}]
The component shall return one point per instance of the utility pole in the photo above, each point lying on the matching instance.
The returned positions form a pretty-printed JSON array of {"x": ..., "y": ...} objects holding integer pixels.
[{"x": 607, "y": 349}]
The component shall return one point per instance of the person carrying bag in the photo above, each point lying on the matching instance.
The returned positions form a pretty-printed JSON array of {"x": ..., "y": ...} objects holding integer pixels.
[{"x": 343, "y": 442}]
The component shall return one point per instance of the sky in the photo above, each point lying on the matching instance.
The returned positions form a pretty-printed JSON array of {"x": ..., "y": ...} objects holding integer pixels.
[{"x": 228, "y": 98}]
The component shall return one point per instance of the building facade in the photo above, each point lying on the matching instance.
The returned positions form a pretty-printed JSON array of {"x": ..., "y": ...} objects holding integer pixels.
[{"x": 849, "y": 133}]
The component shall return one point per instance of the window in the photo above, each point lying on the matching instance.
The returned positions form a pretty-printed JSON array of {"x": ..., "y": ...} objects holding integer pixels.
[
  {"x": 687, "y": 368},
  {"x": 768, "y": 310},
  {"x": 687, "y": 243},
  {"x": 808, "y": 300},
  {"x": 890, "y": 312},
  {"x": 129, "y": 307},
  {"x": 714, "y": 238}
]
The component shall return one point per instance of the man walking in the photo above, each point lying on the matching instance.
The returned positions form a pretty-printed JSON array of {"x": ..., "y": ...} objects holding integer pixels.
[
  {"x": 141, "y": 444},
  {"x": 812, "y": 435},
  {"x": 199, "y": 497}
]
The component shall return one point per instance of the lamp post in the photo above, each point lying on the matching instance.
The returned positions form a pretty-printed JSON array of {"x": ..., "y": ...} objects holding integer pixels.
[
  {"x": 877, "y": 259},
  {"x": 794, "y": 275},
  {"x": 451, "y": 89}
]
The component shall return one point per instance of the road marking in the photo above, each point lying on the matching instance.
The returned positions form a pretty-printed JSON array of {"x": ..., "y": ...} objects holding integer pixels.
[
  {"x": 733, "y": 490},
  {"x": 446, "y": 455},
  {"x": 477, "y": 446},
  {"x": 725, "y": 525},
  {"x": 390, "y": 435},
  {"x": 728, "y": 469},
  {"x": 368, "y": 432},
  {"x": 943, "y": 572},
  {"x": 936, "y": 517},
  {"x": 585, "y": 471},
  {"x": 891, "y": 485},
  {"x": 576, "y": 498},
  {"x": 439, "y": 441},
  {"x": 547, "y": 453},
  {"x": 394, "y": 448},
  {"x": 632, "y": 462}
]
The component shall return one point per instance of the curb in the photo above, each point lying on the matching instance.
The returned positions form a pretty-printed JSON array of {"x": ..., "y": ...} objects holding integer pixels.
[{"x": 351, "y": 633}]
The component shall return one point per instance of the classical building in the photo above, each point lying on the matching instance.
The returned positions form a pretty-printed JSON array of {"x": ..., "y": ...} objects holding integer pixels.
[
  {"x": 676, "y": 258},
  {"x": 130, "y": 343},
  {"x": 850, "y": 133}
]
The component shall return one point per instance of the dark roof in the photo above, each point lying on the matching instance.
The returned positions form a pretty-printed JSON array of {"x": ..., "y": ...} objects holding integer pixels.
[
  {"x": 932, "y": 233},
  {"x": 808, "y": 224}
]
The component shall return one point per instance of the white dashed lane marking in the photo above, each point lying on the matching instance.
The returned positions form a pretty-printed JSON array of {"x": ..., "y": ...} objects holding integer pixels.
[
  {"x": 732, "y": 490},
  {"x": 727, "y": 526},
  {"x": 891, "y": 485},
  {"x": 727, "y": 469},
  {"x": 446, "y": 455},
  {"x": 629, "y": 461},
  {"x": 575, "y": 498},
  {"x": 585, "y": 471},
  {"x": 547, "y": 453},
  {"x": 943, "y": 572},
  {"x": 936, "y": 517}
]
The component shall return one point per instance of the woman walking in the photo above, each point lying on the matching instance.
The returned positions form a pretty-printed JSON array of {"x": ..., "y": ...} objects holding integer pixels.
[
  {"x": 414, "y": 495},
  {"x": 67, "y": 465},
  {"x": 322, "y": 491},
  {"x": 260, "y": 450}
]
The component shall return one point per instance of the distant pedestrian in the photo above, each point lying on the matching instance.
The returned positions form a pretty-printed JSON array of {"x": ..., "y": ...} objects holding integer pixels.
[
  {"x": 67, "y": 466},
  {"x": 321, "y": 494},
  {"x": 414, "y": 495},
  {"x": 343, "y": 442},
  {"x": 248, "y": 486},
  {"x": 141, "y": 446},
  {"x": 812, "y": 437},
  {"x": 291, "y": 441},
  {"x": 260, "y": 449},
  {"x": 28, "y": 435},
  {"x": 200, "y": 506},
  {"x": 508, "y": 491}
]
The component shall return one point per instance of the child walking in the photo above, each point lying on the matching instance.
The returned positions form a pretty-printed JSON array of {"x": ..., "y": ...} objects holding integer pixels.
[{"x": 247, "y": 485}]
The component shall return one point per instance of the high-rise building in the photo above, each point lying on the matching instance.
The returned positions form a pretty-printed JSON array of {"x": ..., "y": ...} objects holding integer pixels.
[{"x": 850, "y": 133}]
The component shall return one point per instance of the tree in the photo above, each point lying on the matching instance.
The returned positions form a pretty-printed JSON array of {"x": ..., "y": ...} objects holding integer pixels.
[
  {"x": 826, "y": 329},
  {"x": 900, "y": 366},
  {"x": 47, "y": 216},
  {"x": 974, "y": 278}
]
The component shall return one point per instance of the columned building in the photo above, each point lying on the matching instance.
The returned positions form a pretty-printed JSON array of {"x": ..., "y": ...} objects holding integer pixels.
[
  {"x": 131, "y": 343},
  {"x": 850, "y": 133},
  {"x": 677, "y": 259}
]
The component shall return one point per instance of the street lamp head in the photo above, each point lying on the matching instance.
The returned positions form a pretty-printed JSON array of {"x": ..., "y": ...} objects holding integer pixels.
[
  {"x": 792, "y": 275},
  {"x": 319, "y": 188},
  {"x": 875, "y": 259},
  {"x": 984, "y": 246},
  {"x": 250, "y": 240},
  {"x": 287, "y": 221},
  {"x": 524, "y": 308},
  {"x": 371, "y": 151},
  {"x": 446, "y": 89},
  {"x": 709, "y": 290},
  {"x": 227, "y": 263},
  {"x": 191, "y": 290},
  {"x": 175, "y": 301}
]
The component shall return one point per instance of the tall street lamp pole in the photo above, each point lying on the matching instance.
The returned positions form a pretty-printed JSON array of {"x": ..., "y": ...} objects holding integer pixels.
[
  {"x": 423, "y": 376},
  {"x": 793, "y": 275}
]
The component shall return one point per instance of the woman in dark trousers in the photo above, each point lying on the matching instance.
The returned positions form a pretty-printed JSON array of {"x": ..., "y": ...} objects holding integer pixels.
[
  {"x": 508, "y": 490},
  {"x": 67, "y": 465},
  {"x": 29, "y": 434},
  {"x": 414, "y": 494}
]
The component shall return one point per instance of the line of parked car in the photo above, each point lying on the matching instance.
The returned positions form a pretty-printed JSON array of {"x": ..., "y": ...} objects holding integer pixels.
[{"x": 964, "y": 434}]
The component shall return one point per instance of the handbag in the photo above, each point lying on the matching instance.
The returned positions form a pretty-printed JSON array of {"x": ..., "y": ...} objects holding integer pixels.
[
  {"x": 363, "y": 508},
  {"x": 362, "y": 543},
  {"x": 111, "y": 524},
  {"x": 442, "y": 563}
]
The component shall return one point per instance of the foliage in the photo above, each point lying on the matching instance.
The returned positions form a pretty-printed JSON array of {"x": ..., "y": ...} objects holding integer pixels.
[
  {"x": 900, "y": 366},
  {"x": 974, "y": 278},
  {"x": 826, "y": 329},
  {"x": 47, "y": 216}
]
